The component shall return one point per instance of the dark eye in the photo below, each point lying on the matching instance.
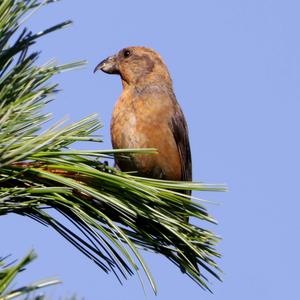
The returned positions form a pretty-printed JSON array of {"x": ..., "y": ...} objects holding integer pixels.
[{"x": 127, "y": 53}]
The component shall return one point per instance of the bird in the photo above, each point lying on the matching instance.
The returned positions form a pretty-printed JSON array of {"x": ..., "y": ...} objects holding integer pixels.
[{"x": 148, "y": 115}]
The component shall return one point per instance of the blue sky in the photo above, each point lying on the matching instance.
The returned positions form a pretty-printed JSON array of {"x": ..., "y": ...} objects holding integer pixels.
[{"x": 236, "y": 72}]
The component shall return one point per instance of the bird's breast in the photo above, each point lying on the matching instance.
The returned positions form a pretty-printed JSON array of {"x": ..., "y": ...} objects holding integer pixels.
[
  {"x": 144, "y": 122},
  {"x": 139, "y": 121}
]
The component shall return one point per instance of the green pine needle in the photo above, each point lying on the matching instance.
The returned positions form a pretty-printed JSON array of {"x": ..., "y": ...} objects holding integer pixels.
[{"x": 114, "y": 215}]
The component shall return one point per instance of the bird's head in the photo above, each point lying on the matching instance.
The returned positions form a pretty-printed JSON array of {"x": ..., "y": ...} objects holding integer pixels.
[{"x": 136, "y": 65}]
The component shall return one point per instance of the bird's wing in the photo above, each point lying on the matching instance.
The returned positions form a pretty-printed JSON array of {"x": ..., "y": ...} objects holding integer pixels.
[{"x": 180, "y": 133}]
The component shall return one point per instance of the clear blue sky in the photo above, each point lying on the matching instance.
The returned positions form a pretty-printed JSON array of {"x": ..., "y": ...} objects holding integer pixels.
[{"x": 236, "y": 72}]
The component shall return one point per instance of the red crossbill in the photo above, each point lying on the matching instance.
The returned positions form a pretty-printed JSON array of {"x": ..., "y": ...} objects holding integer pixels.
[{"x": 147, "y": 115}]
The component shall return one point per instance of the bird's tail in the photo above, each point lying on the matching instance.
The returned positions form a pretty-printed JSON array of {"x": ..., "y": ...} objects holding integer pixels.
[
  {"x": 189, "y": 257},
  {"x": 189, "y": 261}
]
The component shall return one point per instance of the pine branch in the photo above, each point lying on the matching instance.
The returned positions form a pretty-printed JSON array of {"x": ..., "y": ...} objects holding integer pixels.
[
  {"x": 114, "y": 214},
  {"x": 9, "y": 272}
]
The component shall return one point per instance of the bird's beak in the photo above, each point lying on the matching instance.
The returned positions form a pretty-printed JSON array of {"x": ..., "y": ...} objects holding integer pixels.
[{"x": 108, "y": 65}]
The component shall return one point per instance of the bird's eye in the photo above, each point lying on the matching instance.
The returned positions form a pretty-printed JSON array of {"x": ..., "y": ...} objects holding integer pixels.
[{"x": 127, "y": 53}]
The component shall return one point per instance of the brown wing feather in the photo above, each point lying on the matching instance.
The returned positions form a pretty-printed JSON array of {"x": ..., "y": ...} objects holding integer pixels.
[
  {"x": 180, "y": 133},
  {"x": 181, "y": 136}
]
